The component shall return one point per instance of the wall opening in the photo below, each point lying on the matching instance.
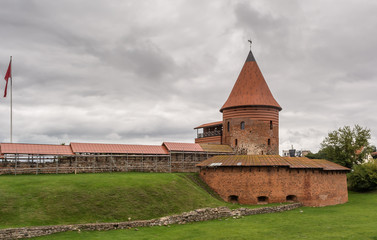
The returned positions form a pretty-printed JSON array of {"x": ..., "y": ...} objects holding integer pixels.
[
  {"x": 228, "y": 126},
  {"x": 262, "y": 200},
  {"x": 236, "y": 142},
  {"x": 291, "y": 198},
  {"x": 242, "y": 125},
  {"x": 271, "y": 126},
  {"x": 269, "y": 142},
  {"x": 233, "y": 199}
]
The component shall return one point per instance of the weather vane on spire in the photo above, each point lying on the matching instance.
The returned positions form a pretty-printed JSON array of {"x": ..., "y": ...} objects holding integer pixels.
[{"x": 250, "y": 43}]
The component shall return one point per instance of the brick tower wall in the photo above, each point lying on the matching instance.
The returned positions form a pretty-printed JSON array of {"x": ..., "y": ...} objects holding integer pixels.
[
  {"x": 312, "y": 187},
  {"x": 260, "y": 135}
]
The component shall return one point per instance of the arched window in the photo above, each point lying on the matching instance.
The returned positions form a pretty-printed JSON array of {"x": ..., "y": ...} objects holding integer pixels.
[
  {"x": 228, "y": 126},
  {"x": 242, "y": 125},
  {"x": 271, "y": 126}
]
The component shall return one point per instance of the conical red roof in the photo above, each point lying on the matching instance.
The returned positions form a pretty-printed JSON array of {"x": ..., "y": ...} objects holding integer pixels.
[{"x": 250, "y": 88}]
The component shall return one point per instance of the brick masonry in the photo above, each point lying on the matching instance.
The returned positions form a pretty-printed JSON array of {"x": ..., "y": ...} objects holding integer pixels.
[
  {"x": 198, "y": 215},
  {"x": 175, "y": 162},
  {"x": 260, "y": 135},
  {"x": 310, "y": 187}
]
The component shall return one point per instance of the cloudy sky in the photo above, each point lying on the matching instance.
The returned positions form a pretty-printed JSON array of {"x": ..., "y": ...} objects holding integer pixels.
[{"x": 143, "y": 72}]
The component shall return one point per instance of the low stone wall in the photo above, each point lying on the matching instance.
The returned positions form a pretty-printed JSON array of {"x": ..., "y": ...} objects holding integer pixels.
[{"x": 198, "y": 215}]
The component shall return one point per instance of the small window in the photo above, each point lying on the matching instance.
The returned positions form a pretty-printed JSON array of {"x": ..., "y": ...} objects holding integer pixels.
[
  {"x": 228, "y": 126},
  {"x": 233, "y": 199},
  {"x": 262, "y": 200},
  {"x": 269, "y": 142},
  {"x": 236, "y": 142},
  {"x": 242, "y": 125},
  {"x": 271, "y": 126}
]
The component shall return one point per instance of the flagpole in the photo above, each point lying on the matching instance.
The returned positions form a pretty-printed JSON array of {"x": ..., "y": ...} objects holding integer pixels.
[{"x": 11, "y": 103}]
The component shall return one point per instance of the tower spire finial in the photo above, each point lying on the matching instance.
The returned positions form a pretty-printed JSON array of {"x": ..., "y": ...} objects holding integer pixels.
[{"x": 250, "y": 43}]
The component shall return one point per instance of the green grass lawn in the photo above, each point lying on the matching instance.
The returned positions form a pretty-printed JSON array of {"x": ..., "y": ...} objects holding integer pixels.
[
  {"x": 356, "y": 219},
  {"x": 33, "y": 200}
]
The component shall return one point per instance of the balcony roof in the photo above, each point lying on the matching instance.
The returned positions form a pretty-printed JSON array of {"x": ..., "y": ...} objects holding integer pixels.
[
  {"x": 271, "y": 160},
  {"x": 210, "y": 124}
]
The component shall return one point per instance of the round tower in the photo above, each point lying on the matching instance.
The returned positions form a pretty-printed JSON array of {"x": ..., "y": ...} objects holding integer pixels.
[{"x": 251, "y": 114}]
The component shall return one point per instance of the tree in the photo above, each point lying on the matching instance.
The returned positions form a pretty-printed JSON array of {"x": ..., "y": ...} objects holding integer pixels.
[
  {"x": 363, "y": 177},
  {"x": 319, "y": 155},
  {"x": 346, "y": 146}
]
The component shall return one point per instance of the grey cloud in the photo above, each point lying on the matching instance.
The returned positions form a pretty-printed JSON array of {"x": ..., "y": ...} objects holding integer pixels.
[{"x": 147, "y": 72}]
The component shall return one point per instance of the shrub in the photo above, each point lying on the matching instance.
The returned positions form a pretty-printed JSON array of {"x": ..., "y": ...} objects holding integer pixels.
[{"x": 363, "y": 177}]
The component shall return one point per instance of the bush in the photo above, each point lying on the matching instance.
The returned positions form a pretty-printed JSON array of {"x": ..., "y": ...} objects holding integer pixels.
[{"x": 363, "y": 177}]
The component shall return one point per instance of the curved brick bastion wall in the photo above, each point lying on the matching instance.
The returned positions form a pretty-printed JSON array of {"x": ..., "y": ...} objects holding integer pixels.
[
  {"x": 253, "y": 185},
  {"x": 260, "y": 134}
]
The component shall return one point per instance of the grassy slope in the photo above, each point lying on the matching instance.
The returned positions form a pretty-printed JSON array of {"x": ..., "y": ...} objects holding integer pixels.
[
  {"x": 356, "y": 219},
  {"x": 31, "y": 200}
]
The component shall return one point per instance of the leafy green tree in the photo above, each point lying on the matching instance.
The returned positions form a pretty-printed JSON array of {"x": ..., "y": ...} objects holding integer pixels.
[
  {"x": 363, "y": 177},
  {"x": 319, "y": 155},
  {"x": 346, "y": 146}
]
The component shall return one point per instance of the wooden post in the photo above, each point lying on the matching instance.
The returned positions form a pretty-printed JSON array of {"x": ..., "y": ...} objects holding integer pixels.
[
  {"x": 57, "y": 164},
  {"x": 111, "y": 165},
  {"x": 183, "y": 162},
  {"x": 15, "y": 165},
  {"x": 36, "y": 170},
  {"x": 94, "y": 164},
  {"x": 155, "y": 165},
  {"x": 75, "y": 164},
  {"x": 170, "y": 162},
  {"x": 127, "y": 163},
  {"x": 112, "y": 160}
]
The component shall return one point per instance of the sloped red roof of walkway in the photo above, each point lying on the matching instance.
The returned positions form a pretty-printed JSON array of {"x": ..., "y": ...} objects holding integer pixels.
[
  {"x": 118, "y": 148},
  {"x": 244, "y": 160},
  {"x": 36, "y": 149},
  {"x": 216, "y": 148},
  {"x": 182, "y": 147},
  {"x": 270, "y": 160}
]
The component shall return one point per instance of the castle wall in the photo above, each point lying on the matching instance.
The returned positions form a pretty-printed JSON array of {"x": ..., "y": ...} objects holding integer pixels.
[
  {"x": 310, "y": 187},
  {"x": 175, "y": 162},
  {"x": 260, "y": 135}
]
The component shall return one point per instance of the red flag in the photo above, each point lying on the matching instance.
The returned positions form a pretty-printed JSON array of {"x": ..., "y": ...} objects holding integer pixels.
[{"x": 7, "y": 76}]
